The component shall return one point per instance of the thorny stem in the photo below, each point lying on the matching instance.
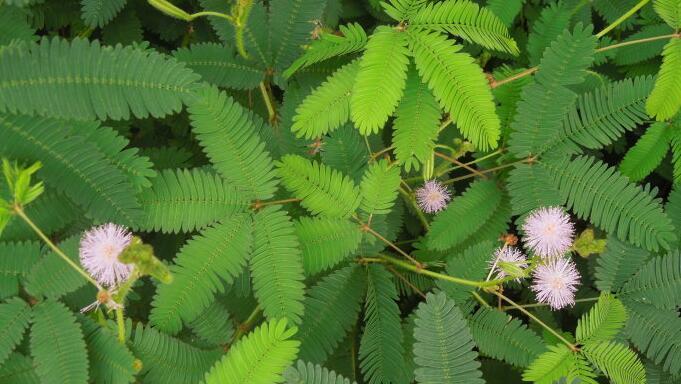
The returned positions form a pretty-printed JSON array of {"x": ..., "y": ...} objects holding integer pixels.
[
  {"x": 20, "y": 212},
  {"x": 621, "y": 19},
  {"x": 259, "y": 204},
  {"x": 535, "y": 318},
  {"x": 535, "y": 305},
  {"x": 460, "y": 164},
  {"x": 271, "y": 111}
]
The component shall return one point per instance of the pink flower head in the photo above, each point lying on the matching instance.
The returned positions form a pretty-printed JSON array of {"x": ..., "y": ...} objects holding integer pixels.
[
  {"x": 510, "y": 255},
  {"x": 548, "y": 231},
  {"x": 99, "y": 251},
  {"x": 555, "y": 282},
  {"x": 432, "y": 197}
]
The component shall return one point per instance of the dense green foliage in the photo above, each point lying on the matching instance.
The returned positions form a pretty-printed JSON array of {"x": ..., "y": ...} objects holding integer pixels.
[{"x": 270, "y": 157}]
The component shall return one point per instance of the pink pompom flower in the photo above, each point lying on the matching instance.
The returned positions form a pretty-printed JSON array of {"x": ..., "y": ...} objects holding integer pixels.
[
  {"x": 555, "y": 282},
  {"x": 508, "y": 255},
  {"x": 432, "y": 196},
  {"x": 99, "y": 251},
  {"x": 548, "y": 231}
]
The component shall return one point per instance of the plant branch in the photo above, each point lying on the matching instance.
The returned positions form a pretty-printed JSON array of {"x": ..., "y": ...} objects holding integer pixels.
[
  {"x": 638, "y": 41},
  {"x": 460, "y": 164},
  {"x": 399, "y": 250},
  {"x": 536, "y": 305},
  {"x": 120, "y": 322},
  {"x": 410, "y": 199},
  {"x": 404, "y": 279},
  {"x": 20, "y": 212},
  {"x": 271, "y": 111},
  {"x": 440, "y": 276},
  {"x": 259, "y": 204},
  {"x": 244, "y": 327},
  {"x": 622, "y": 18}
]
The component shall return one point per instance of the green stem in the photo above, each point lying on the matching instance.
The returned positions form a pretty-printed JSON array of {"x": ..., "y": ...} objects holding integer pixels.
[
  {"x": 480, "y": 299},
  {"x": 120, "y": 321},
  {"x": 622, "y": 18},
  {"x": 20, "y": 212},
  {"x": 536, "y": 305},
  {"x": 271, "y": 112},
  {"x": 441, "y": 276},
  {"x": 632, "y": 42},
  {"x": 211, "y": 13},
  {"x": 535, "y": 318},
  {"x": 244, "y": 327}
]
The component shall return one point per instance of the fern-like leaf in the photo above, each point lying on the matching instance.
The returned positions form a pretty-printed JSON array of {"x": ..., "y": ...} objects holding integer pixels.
[
  {"x": 326, "y": 242},
  {"x": 617, "y": 361},
  {"x": 655, "y": 332},
  {"x": 70, "y": 164},
  {"x": 402, "y": 10},
  {"x": 323, "y": 190},
  {"x": 417, "y": 123},
  {"x": 55, "y": 78},
  {"x": 213, "y": 325},
  {"x": 260, "y": 358},
  {"x": 600, "y": 117},
  {"x": 188, "y": 200},
  {"x": 97, "y": 13},
  {"x": 229, "y": 137},
  {"x": 346, "y": 151},
  {"x": 466, "y": 19},
  {"x": 471, "y": 264},
  {"x": 381, "y": 353},
  {"x": 443, "y": 348},
  {"x": 504, "y": 338},
  {"x": 18, "y": 369},
  {"x": 328, "y": 106},
  {"x": 291, "y": 28},
  {"x": 217, "y": 65},
  {"x": 353, "y": 39},
  {"x": 545, "y": 103},
  {"x": 459, "y": 85},
  {"x": 16, "y": 261},
  {"x": 598, "y": 192},
  {"x": 202, "y": 267},
  {"x": 603, "y": 322},
  {"x": 110, "y": 361},
  {"x": 276, "y": 267},
  {"x": 57, "y": 345},
  {"x": 658, "y": 282},
  {"x": 550, "y": 366},
  {"x": 14, "y": 26},
  {"x": 551, "y": 22},
  {"x": 669, "y": 11},
  {"x": 309, "y": 373},
  {"x": 477, "y": 204},
  {"x": 14, "y": 317},
  {"x": 379, "y": 188},
  {"x": 617, "y": 264},
  {"x": 647, "y": 154},
  {"x": 331, "y": 308},
  {"x": 665, "y": 99},
  {"x": 169, "y": 360},
  {"x": 381, "y": 79},
  {"x": 637, "y": 53},
  {"x": 53, "y": 277}
]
